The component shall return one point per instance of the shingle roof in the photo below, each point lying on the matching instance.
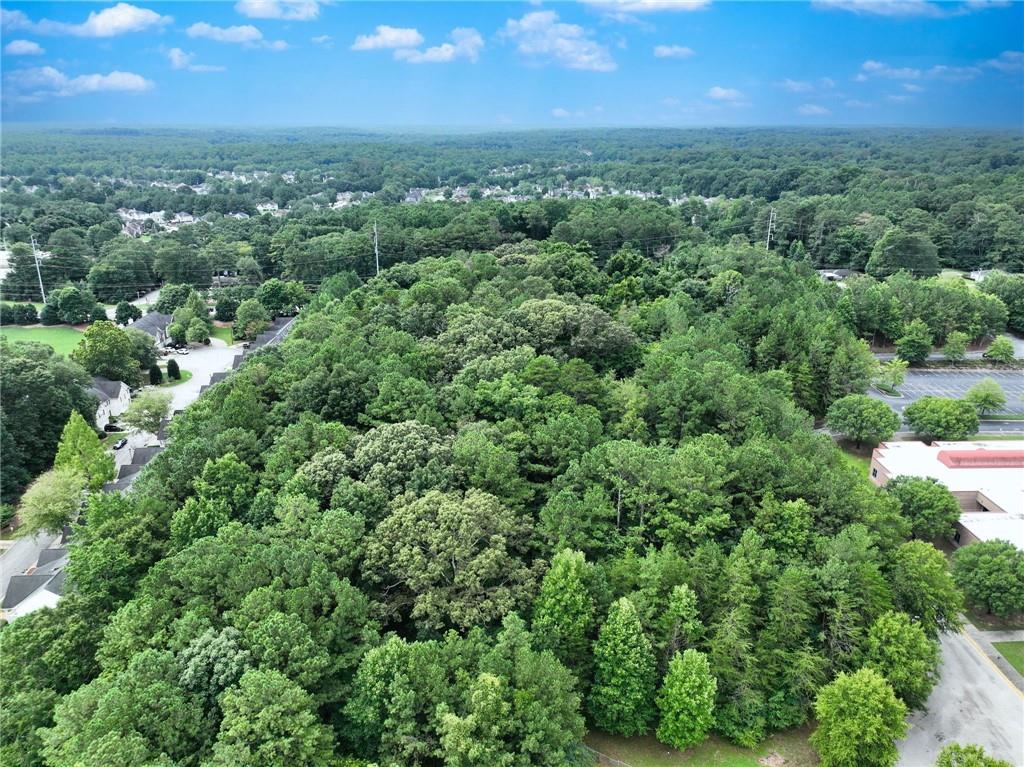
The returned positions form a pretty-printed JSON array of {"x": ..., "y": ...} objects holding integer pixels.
[
  {"x": 128, "y": 469},
  {"x": 56, "y": 584},
  {"x": 143, "y": 455},
  {"x": 21, "y": 587},
  {"x": 110, "y": 389},
  {"x": 152, "y": 323},
  {"x": 46, "y": 556}
]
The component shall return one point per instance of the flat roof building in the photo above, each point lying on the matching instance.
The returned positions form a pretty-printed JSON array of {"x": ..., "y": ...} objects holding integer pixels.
[{"x": 987, "y": 478}]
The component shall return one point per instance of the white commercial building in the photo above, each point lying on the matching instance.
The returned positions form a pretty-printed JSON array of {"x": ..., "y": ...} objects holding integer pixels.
[{"x": 987, "y": 478}]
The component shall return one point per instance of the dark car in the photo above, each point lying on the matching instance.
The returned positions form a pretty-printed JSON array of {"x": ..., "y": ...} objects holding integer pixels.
[
  {"x": 120, "y": 443},
  {"x": 112, "y": 427}
]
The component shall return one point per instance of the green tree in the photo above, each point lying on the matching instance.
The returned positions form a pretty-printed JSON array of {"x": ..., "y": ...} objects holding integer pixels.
[
  {"x": 862, "y": 419},
  {"x": 269, "y": 721},
  {"x": 147, "y": 411},
  {"x": 106, "y": 350},
  {"x": 987, "y": 396},
  {"x": 173, "y": 371},
  {"x": 941, "y": 418},
  {"x": 900, "y": 250},
  {"x": 251, "y": 319},
  {"x": 928, "y": 504},
  {"x": 899, "y": 650},
  {"x": 955, "y": 755},
  {"x": 686, "y": 701},
  {"x": 156, "y": 375},
  {"x": 915, "y": 344},
  {"x": 564, "y": 611},
  {"x": 1000, "y": 350},
  {"x": 80, "y": 450},
  {"x": 956, "y": 346},
  {"x": 52, "y": 500},
  {"x": 624, "y": 673},
  {"x": 924, "y": 589},
  {"x": 126, "y": 312},
  {"x": 991, "y": 576},
  {"x": 197, "y": 331},
  {"x": 450, "y": 559},
  {"x": 859, "y": 721},
  {"x": 893, "y": 373}
]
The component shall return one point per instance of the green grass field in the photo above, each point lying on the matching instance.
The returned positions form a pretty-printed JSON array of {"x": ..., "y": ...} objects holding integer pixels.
[
  {"x": 791, "y": 745},
  {"x": 224, "y": 334},
  {"x": 1013, "y": 652},
  {"x": 61, "y": 338}
]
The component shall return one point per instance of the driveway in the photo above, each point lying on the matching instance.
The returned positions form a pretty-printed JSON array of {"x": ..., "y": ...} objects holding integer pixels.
[
  {"x": 972, "y": 703},
  {"x": 954, "y": 383},
  {"x": 21, "y": 555},
  {"x": 202, "y": 362}
]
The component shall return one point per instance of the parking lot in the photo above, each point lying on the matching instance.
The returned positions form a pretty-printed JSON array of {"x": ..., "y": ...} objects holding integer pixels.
[{"x": 955, "y": 383}]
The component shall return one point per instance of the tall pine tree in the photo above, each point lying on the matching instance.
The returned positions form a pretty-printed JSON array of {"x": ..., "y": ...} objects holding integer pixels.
[{"x": 623, "y": 691}]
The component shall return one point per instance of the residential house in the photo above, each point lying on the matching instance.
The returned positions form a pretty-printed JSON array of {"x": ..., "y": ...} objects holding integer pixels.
[
  {"x": 42, "y": 585},
  {"x": 155, "y": 324},
  {"x": 114, "y": 398}
]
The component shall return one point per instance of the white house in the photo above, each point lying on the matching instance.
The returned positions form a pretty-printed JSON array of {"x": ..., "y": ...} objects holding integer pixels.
[{"x": 114, "y": 398}]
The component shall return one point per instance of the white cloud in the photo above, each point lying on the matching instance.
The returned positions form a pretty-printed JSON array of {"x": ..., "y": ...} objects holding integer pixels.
[
  {"x": 181, "y": 60},
  {"x": 243, "y": 34},
  {"x": 648, "y": 6},
  {"x": 909, "y": 8},
  {"x": 285, "y": 10},
  {"x": 541, "y": 37},
  {"x": 857, "y": 104},
  {"x": 912, "y": 88},
  {"x": 673, "y": 51},
  {"x": 23, "y": 48},
  {"x": 812, "y": 110},
  {"x": 954, "y": 74},
  {"x": 897, "y": 98},
  {"x": 872, "y": 68},
  {"x": 796, "y": 86},
  {"x": 38, "y": 83},
  {"x": 718, "y": 93},
  {"x": 388, "y": 37},
  {"x": 670, "y": 101},
  {"x": 321, "y": 40},
  {"x": 119, "y": 19},
  {"x": 1008, "y": 61},
  {"x": 827, "y": 82},
  {"x": 466, "y": 44},
  {"x": 560, "y": 113}
]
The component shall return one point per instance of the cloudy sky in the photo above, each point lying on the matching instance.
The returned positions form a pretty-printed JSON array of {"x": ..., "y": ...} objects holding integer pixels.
[{"x": 494, "y": 65}]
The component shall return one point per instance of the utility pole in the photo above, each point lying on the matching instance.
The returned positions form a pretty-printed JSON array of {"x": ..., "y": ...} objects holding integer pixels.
[
  {"x": 39, "y": 274},
  {"x": 376, "y": 247},
  {"x": 771, "y": 225}
]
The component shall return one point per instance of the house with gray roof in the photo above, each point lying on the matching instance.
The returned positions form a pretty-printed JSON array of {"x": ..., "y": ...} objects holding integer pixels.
[
  {"x": 155, "y": 324},
  {"x": 114, "y": 398},
  {"x": 42, "y": 585}
]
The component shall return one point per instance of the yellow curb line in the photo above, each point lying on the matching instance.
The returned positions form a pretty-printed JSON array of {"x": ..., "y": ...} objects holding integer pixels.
[{"x": 992, "y": 663}]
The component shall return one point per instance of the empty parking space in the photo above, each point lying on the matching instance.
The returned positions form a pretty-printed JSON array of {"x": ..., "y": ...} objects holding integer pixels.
[{"x": 955, "y": 383}]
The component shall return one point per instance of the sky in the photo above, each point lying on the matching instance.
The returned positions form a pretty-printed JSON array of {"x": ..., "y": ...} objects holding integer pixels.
[{"x": 497, "y": 65}]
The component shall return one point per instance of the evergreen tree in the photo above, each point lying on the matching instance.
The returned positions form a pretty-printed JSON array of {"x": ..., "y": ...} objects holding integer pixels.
[
  {"x": 156, "y": 376},
  {"x": 621, "y": 698},
  {"x": 173, "y": 371},
  {"x": 686, "y": 700}
]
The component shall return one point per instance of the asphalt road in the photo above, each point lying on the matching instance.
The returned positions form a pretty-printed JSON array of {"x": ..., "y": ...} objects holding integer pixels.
[
  {"x": 954, "y": 383},
  {"x": 972, "y": 703}
]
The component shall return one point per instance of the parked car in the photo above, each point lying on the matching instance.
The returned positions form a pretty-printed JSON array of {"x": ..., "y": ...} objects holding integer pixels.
[
  {"x": 112, "y": 427},
  {"x": 182, "y": 351},
  {"x": 120, "y": 443}
]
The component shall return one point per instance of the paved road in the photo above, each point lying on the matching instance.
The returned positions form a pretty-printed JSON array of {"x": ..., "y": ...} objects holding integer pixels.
[
  {"x": 22, "y": 554},
  {"x": 954, "y": 383},
  {"x": 972, "y": 703},
  {"x": 203, "y": 362}
]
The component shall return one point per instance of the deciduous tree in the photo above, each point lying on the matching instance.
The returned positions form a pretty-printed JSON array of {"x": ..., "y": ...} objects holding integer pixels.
[
  {"x": 622, "y": 695},
  {"x": 80, "y": 450},
  {"x": 686, "y": 701},
  {"x": 859, "y": 721}
]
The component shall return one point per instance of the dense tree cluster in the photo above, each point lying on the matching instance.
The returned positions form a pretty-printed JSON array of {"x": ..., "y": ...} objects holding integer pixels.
[{"x": 470, "y": 507}]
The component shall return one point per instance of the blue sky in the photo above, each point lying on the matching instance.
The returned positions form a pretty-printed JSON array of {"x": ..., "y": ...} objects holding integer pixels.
[{"x": 495, "y": 65}]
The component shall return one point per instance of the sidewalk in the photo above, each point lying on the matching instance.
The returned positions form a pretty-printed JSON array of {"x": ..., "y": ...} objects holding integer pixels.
[{"x": 984, "y": 640}]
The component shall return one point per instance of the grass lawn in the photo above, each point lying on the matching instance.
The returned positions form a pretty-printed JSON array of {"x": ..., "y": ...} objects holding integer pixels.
[
  {"x": 858, "y": 457},
  {"x": 1003, "y": 417},
  {"x": 62, "y": 338},
  {"x": 1013, "y": 652},
  {"x": 792, "y": 745},
  {"x": 982, "y": 436},
  {"x": 224, "y": 334},
  {"x": 169, "y": 382}
]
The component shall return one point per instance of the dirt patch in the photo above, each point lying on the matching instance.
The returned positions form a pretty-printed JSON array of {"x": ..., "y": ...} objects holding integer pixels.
[{"x": 772, "y": 760}]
